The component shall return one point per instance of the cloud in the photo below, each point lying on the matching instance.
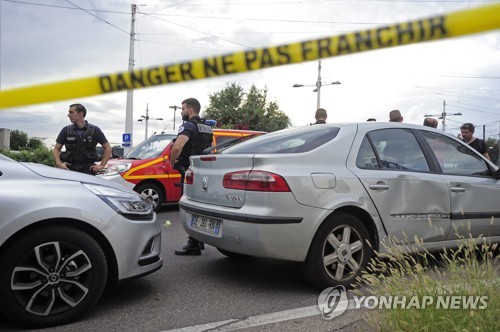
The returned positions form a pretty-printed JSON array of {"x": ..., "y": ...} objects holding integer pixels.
[{"x": 48, "y": 43}]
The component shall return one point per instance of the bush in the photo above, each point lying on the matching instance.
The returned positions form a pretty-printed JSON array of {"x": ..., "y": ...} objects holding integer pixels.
[{"x": 41, "y": 155}]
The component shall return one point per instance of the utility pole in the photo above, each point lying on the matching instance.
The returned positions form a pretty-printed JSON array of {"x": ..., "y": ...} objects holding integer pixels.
[
  {"x": 318, "y": 85},
  {"x": 175, "y": 107},
  {"x": 146, "y": 119},
  {"x": 129, "y": 114},
  {"x": 443, "y": 115}
]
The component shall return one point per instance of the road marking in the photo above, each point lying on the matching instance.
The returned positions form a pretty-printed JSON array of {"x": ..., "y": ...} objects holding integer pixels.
[{"x": 265, "y": 319}]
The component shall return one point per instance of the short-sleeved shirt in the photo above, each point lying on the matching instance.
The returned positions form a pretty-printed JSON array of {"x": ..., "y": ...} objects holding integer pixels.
[
  {"x": 479, "y": 145},
  {"x": 188, "y": 128},
  {"x": 98, "y": 134}
]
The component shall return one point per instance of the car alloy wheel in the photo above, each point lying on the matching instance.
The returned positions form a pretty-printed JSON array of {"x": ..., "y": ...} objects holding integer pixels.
[
  {"x": 51, "y": 275},
  {"x": 152, "y": 193},
  {"x": 339, "y": 252}
]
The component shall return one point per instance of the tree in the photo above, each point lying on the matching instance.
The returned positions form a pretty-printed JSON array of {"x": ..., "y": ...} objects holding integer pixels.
[
  {"x": 233, "y": 108},
  {"x": 18, "y": 140},
  {"x": 35, "y": 143}
]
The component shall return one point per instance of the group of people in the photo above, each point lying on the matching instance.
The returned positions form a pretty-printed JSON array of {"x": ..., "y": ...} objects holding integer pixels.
[
  {"x": 466, "y": 130},
  {"x": 80, "y": 139}
]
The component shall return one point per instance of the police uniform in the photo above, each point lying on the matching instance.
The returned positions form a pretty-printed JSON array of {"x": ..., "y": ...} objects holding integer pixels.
[
  {"x": 80, "y": 145},
  {"x": 200, "y": 137}
]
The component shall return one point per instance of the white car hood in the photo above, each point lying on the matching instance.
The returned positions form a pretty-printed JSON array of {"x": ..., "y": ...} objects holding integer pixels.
[{"x": 62, "y": 174}]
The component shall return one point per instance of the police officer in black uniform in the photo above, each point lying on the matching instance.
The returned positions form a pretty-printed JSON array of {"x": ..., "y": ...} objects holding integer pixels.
[
  {"x": 80, "y": 139},
  {"x": 194, "y": 136}
]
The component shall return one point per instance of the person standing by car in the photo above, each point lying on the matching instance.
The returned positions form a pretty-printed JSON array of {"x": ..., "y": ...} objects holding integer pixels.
[
  {"x": 320, "y": 116},
  {"x": 80, "y": 139},
  {"x": 430, "y": 122},
  {"x": 467, "y": 132},
  {"x": 193, "y": 137},
  {"x": 395, "y": 116}
]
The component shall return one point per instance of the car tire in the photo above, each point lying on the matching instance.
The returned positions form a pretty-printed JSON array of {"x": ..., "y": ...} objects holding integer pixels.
[
  {"x": 339, "y": 252},
  {"x": 232, "y": 255},
  {"x": 51, "y": 275},
  {"x": 152, "y": 193}
]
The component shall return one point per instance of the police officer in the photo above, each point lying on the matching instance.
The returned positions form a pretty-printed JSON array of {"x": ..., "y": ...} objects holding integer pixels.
[
  {"x": 80, "y": 139},
  {"x": 194, "y": 136}
]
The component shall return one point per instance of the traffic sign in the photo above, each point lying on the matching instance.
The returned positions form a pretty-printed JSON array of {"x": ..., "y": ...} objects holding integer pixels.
[{"x": 127, "y": 138}]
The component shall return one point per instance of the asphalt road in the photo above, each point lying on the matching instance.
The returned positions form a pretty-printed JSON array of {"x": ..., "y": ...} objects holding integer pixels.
[{"x": 209, "y": 292}]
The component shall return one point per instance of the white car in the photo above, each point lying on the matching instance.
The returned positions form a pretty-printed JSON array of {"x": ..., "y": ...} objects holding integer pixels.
[
  {"x": 63, "y": 236},
  {"x": 328, "y": 195}
]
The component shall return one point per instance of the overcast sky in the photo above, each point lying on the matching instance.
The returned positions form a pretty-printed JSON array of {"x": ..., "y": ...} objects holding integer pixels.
[{"x": 52, "y": 40}]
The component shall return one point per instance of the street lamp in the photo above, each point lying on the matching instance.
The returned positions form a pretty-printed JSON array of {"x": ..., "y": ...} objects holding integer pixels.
[
  {"x": 175, "y": 107},
  {"x": 442, "y": 115},
  {"x": 146, "y": 119},
  {"x": 318, "y": 85}
]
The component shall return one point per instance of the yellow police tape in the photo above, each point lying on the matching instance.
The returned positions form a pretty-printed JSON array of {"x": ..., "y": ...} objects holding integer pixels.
[{"x": 433, "y": 28}]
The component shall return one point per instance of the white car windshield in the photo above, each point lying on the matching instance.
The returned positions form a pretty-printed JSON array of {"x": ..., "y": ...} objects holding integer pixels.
[{"x": 151, "y": 148}]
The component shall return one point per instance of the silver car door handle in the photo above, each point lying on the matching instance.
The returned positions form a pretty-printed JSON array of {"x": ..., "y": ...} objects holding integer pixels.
[
  {"x": 379, "y": 186},
  {"x": 457, "y": 189}
]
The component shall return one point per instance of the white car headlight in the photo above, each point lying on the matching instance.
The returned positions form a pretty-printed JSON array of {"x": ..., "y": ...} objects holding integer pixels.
[
  {"x": 129, "y": 204},
  {"x": 117, "y": 169}
]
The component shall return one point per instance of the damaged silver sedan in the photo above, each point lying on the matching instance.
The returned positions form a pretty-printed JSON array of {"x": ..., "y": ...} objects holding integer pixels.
[{"x": 330, "y": 195}]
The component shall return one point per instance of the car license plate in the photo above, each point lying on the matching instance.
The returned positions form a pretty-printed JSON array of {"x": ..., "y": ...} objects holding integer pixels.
[{"x": 205, "y": 224}]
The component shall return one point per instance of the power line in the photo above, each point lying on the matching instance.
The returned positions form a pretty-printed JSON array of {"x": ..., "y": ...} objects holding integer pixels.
[
  {"x": 473, "y": 76},
  {"x": 205, "y": 33},
  {"x": 265, "y": 19},
  {"x": 181, "y": 45},
  {"x": 85, "y": 10},
  {"x": 65, "y": 7}
]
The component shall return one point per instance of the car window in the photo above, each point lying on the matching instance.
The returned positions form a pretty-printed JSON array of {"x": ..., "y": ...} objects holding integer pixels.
[
  {"x": 224, "y": 142},
  {"x": 284, "y": 142},
  {"x": 224, "y": 139},
  {"x": 454, "y": 157},
  {"x": 366, "y": 156},
  {"x": 396, "y": 149},
  {"x": 150, "y": 148}
]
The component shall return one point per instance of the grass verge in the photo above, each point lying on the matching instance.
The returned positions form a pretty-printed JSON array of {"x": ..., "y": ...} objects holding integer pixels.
[{"x": 455, "y": 290}]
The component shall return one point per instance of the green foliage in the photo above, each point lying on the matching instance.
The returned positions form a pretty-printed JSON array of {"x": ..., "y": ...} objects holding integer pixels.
[
  {"x": 18, "y": 140},
  {"x": 232, "y": 108},
  {"x": 34, "y": 144},
  {"x": 23, "y": 148},
  {"x": 41, "y": 155}
]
